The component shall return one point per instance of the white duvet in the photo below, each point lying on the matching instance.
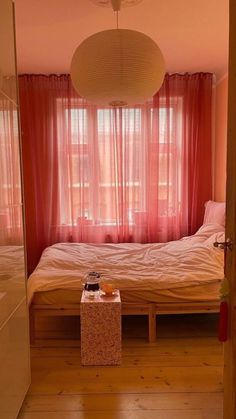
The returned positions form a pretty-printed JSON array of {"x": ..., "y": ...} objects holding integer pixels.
[
  {"x": 12, "y": 264},
  {"x": 190, "y": 261}
]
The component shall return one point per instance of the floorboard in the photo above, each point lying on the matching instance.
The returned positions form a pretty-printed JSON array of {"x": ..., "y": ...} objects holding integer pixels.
[{"x": 177, "y": 377}]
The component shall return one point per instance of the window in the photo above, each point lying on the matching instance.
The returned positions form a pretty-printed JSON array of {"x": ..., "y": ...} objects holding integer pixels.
[{"x": 105, "y": 158}]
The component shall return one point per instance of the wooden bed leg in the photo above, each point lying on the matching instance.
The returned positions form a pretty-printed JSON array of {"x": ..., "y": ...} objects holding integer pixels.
[
  {"x": 152, "y": 324},
  {"x": 32, "y": 325}
]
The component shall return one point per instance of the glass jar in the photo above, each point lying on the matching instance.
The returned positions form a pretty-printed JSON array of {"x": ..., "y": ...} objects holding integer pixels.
[{"x": 92, "y": 285}]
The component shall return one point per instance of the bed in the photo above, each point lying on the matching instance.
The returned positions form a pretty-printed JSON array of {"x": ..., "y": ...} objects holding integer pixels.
[{"x": 182, "y": 276}]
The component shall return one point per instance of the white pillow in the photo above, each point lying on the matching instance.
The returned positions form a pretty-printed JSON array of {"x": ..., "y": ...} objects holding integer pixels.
[{"x": 214, "y": 213}]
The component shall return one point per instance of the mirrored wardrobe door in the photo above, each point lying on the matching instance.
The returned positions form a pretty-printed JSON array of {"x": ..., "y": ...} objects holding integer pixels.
[{"x": 14, "y": 333}]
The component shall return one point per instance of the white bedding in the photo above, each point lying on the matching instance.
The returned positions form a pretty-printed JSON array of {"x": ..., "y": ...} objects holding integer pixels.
[
  {"x": 190, "y": 261},
  {"x": 12, "y": 264}
]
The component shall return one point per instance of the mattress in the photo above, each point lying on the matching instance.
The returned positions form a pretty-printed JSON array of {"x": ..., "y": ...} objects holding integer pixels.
[
  {"x": 203, "y": 293},
  {"x": 189, "y": 269}
]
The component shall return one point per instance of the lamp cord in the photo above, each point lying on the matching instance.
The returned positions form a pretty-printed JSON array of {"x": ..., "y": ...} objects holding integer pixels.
[{"x": 117, "y": 19}]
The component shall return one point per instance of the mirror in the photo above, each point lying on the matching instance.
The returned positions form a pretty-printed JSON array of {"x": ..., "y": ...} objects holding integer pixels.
[
  {"x": 12, "y": 266},
  {"x": 14, "y": 330}
]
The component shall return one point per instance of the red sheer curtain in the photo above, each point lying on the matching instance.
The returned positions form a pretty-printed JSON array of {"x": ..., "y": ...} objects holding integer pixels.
[{"x": 135, "y": 174}]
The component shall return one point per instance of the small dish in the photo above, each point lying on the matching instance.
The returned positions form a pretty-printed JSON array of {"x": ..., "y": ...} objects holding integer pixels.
[{"x": 108, "y": 294}]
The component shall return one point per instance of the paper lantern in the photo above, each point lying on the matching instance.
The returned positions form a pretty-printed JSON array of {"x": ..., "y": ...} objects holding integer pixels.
[{"x": 117, "y": 67}]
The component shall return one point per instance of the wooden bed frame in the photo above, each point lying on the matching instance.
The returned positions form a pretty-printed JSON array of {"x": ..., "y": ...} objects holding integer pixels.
[{"x": 149, "y": 309}]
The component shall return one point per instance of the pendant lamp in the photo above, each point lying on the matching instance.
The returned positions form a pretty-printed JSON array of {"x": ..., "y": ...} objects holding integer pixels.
[{"x": 117, "y": 67}]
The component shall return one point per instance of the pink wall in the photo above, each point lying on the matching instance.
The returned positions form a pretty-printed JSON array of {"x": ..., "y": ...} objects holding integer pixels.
[{"x": 220, "y": 139}]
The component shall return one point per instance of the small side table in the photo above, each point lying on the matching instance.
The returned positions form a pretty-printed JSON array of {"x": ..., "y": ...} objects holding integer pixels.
[{"x": 100, "y": 325}]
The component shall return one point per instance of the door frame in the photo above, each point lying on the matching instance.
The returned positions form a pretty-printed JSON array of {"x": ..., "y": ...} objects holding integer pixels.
[{"x": 230, "y": 345}]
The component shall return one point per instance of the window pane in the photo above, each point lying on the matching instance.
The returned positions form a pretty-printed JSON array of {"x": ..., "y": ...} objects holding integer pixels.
[
  {"x": 165, "y": 121},
  {"x": 77, "y": 119},
  {"x": 80, "y": 169}
]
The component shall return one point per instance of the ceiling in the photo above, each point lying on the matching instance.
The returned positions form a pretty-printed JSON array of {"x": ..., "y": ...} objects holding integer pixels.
[{"x": 192, "y": 34}]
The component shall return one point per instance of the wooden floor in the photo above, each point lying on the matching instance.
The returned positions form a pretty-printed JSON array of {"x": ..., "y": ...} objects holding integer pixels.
[{"x": 178, "y": 377}]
